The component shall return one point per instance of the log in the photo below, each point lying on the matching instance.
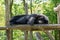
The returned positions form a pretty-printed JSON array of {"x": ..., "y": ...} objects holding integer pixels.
[{"x": 34, "y": 27}]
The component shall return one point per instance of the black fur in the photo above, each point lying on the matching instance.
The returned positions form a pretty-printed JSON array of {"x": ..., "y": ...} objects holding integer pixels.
[{"x": 29, "y": 19}]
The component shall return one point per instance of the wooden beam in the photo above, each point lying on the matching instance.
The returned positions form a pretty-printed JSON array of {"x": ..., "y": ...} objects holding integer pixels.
[
  {"x": 34, "y": 27},
  {"x": 37, "y": 27}
]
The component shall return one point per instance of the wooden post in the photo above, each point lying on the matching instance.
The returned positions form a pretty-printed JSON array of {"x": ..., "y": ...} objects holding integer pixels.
[
  {"x": 26, "y": 12},
  {"x": 31, "y": 6},
  {"x": 58, "y": 15},
  {"x": 49, "y": 35},
  {"x": 7, "y": 14},
  {"x": 38, "y": 36},
  {"x": 26, "y": 8},
  {"x": 31, "y": 32},
  {"x": 9, "y": 34},
  {"x": 57, "y": 9},
  {"x": 26, "y": 35},
  {"x": 31, "y": 35}
]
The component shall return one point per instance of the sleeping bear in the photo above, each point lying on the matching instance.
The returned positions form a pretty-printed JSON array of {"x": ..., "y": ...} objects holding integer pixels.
[{"x": 29, "y": 19}]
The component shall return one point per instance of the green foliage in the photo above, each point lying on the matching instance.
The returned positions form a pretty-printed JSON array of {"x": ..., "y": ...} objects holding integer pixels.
[
  {"x": 38, "y": 6},
  {"x": 2, "y": 35},
  {"x": 2, "y": 14},
  {"x": 18, "y": 9},
  {"x": 48, "y": 10},
  {"x": 18, "y": 35}
]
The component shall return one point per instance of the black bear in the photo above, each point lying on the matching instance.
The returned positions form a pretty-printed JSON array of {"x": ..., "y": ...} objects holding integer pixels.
[{"x": 29, "y": 19}]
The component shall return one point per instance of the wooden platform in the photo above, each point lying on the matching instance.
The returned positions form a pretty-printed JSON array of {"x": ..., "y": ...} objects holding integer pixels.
[{"x": 34, "y": 27}]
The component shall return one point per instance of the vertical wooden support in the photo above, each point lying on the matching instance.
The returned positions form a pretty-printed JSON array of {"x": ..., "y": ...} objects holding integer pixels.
[
  {"x": 24, "y": 3},
  {"x": 49, "y": 35},
  {"x": 57, "y": 9},
  {"x": 26, "y": 8},
  {"x": 26, "y": 11},
  {"x": 26, "y": 35},
  {"x": 31, "y": 6},
  {"x": 9, "y": 34},
  {"x": 58, "y": 20},
  {"x": 31, "y": 35},
  {"x": 31, "y": 32},
  {"x": 8, "y": 11},
  {"x": 38, "y": 36},
  {"x": 58, "y": 15}
]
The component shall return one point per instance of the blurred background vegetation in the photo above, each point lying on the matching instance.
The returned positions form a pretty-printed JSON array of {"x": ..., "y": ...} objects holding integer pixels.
[{"x": 38, "y": 7}]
